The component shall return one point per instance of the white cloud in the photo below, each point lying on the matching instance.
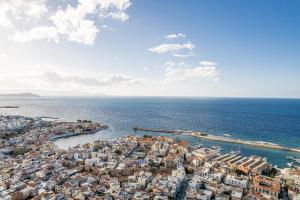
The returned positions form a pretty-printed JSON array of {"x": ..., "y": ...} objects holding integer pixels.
[
  {"x": 188, "y": 54},
  {"x": 175, "y": 36},
  {"x": 208, "y": 63},
  {"x": 106, "y": 27},
  {"x": 42, "y": 32},
  {"x": 75, "y": 23},
  {"x": 174, "y": 49},
  {"x": 60, "y": 81},
  {"x": 86, "y": 33},
  {"x": 55, "y": 79},
  {"x": 181, "y": 72},
  {"x": 18, "y": 10},
  {"x": 174, "y": 64}
]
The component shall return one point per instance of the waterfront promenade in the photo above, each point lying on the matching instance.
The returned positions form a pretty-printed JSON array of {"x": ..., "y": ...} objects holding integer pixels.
[
  {"x": 67, "y": 135},
  {"x": 206, "y": 136}
]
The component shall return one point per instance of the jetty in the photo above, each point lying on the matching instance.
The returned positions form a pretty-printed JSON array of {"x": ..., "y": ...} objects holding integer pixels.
[
  {"x": 154, "y": 130},
  {"x": 206, "y": 136},
  {"x": 47, "y": 117}
]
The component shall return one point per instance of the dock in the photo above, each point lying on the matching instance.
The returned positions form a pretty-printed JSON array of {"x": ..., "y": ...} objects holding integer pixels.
[
  {"x": 153, "y": 130},
  {"x": 221, "y": 139}
]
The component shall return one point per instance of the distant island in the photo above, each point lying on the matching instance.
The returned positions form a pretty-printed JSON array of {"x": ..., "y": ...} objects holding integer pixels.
[
  {"x": 25, "y": 94},
  {"x": 9, "y": 106}
]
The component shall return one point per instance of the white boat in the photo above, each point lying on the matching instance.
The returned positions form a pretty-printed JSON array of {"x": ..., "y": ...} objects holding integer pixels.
[
  {"x": 290, "y": 157},
  {"x": 198, "y": 146},
  {"x": 235, "y": 152},
  {"x": 217, "y": 148},
  {"x": 293, "y": 159},
  {"x": 290, "y": 164}
]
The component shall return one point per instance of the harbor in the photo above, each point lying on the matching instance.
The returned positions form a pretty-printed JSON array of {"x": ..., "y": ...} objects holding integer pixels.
[
  {"x": 206, "y": 136},
  {"x": 67, "y": 135}
]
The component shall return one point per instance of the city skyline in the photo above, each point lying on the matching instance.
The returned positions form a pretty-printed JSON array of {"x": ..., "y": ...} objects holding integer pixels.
[{"x": 162, "y": 48}]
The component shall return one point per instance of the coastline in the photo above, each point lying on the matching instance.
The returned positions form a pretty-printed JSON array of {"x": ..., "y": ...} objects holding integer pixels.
[
  {"x": 206, "y": 136},
  {"x": 244, "y": 142},
  {"x": 67, "y": 135},
  {"x": 163, "y": 115}
]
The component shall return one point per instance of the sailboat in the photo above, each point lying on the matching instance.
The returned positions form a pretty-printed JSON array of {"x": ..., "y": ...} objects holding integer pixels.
[
  {"x": 236, "y": 151},
  {"x": 217, "y": 148}
]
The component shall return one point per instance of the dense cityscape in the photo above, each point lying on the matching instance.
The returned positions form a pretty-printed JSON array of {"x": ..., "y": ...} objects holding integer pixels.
[
  {"x": 149, "y": 100},
  {"x": 131, "y": 167}
]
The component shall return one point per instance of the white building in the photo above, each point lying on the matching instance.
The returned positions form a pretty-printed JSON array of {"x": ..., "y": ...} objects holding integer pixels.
[{"x": 241, "y": 182}]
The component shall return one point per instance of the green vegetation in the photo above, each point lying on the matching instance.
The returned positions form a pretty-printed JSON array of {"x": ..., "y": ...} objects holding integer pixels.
[
  {"x": 188, "y": 170},
  {"x": 20, "y": 151},
  {"x": 270, "y": 172},
  {"x": 98, "y": 147},
  {"x": 118, "y": 151}
]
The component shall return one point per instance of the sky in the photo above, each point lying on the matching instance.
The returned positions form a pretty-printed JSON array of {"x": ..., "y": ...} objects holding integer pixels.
[{"x": 221, "y": 48}]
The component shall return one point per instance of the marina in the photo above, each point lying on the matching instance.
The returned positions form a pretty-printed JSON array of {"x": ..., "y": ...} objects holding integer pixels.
[
  {"x": 222, "y": 139},
  {"x": 149, "y": 100},
  {"x": 194, "y": 118},
  {"x": 66, "y": 135}
]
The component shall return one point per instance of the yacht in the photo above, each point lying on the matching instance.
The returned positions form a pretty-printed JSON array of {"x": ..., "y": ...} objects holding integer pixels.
[{"x": 217, "y": 148}]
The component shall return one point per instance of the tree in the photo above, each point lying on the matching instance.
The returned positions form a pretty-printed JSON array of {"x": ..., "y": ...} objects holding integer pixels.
[
  {"x": 20, "y": 151},
  {"x": 118, "y": 151},
  {"x": 188, "y": 170}
]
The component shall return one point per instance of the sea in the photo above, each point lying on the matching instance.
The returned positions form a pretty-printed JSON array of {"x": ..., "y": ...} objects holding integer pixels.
[{"x": 269, "y": 120}]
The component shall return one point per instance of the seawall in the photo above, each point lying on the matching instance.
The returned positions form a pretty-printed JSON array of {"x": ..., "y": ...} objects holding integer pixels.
[{"x": 222, "y": 139}]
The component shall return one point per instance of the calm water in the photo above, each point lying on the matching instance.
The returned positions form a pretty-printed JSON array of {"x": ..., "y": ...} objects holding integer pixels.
[{"x": 272, "y": 120}]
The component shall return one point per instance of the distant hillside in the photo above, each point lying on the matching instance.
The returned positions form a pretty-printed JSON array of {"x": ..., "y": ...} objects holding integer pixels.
[{"x": 25, "y": 94}]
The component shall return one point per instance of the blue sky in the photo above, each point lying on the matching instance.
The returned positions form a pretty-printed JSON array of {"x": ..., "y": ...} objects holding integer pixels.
[{"x": 151, "y": 48}]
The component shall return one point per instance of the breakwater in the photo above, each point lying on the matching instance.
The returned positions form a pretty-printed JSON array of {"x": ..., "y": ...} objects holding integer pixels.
[
  {"x": 47, "y": 117},
  {"x": 66, "y": 135},
  {"x": 221, "y": 139}
]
